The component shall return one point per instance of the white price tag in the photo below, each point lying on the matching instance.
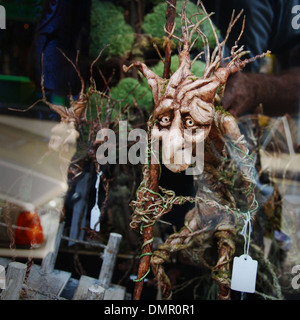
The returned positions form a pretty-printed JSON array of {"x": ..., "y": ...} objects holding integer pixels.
[{"x": 244, "y": 274}]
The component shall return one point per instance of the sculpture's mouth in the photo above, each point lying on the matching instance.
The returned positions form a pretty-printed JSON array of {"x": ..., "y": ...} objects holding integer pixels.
[
  {"x": 176, "y": 168},
  {"x": 179, "y": 161}
]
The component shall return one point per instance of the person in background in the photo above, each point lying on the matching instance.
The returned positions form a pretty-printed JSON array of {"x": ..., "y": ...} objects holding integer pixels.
[
  {"x": 270, "y": 25},
  {"x": 64, "y": 24}
]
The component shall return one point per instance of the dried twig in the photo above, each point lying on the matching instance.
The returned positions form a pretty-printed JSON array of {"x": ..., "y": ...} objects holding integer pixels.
[{"x": 154, "y": 174}]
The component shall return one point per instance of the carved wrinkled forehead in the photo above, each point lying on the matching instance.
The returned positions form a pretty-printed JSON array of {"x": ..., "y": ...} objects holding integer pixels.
[
  {"x": 198, "y": 109},
  {"x": 192, "y": 95}
]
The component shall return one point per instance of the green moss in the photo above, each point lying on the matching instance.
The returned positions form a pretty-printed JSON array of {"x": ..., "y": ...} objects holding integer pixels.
[
  {"x": 129, "y": 90},
  {"x": 153, "y": 23},
  {"x": 197, "y": 68},
  {"x": 165, "y": 86},
  {"x": 108, "y": 26},
  {"x": 220, "y": 109}
]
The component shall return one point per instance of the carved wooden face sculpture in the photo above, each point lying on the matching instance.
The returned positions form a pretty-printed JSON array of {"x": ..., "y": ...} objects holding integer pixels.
[
  {"x": 184, "y": 114},
  {"x": 184, "y": 104},
  {"x": 184, "y": 109}
]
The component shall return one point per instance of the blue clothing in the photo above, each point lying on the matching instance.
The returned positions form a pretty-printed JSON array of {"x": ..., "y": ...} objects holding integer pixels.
[
  {"x": 64, "y": 24},
  {"x": 268, "y": 25}
]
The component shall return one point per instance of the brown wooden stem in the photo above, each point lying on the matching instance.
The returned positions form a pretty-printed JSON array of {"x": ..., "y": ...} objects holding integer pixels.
[
  {"x": 147, "y": 235},
  {"x": 170, "y": 18},
  {"x": 154, "y": 168}
]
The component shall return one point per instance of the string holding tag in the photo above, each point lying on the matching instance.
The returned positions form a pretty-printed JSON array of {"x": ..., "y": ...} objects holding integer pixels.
[
  {"x": 96, "y": 213},
  {"x": 97, "y": 184},
  {"x": 244, "y": 270},
  {"x": 247, "y": 226}
]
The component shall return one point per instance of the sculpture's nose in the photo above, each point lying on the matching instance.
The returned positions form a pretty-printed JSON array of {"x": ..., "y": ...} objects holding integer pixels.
[
  {"x": 176, "y": 155},
  {"x": 175, "y": 136}
]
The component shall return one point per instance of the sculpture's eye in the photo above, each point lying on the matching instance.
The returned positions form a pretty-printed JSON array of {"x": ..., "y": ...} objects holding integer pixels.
[
  {"x": 189, "y": 122},
  {"x": 165, "y": 121}
]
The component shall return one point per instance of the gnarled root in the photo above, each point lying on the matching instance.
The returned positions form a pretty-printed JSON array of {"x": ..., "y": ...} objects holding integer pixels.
[
  {"x": 176, "y": 242},
  {"x": 163, "y": 281},
  {"x": 221, "y": 272}
]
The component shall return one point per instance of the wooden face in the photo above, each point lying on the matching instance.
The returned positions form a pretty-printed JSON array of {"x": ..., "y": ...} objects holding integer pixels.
[
  {"x": 183, "y": 115},
  {"x": 181, "y": 126}
]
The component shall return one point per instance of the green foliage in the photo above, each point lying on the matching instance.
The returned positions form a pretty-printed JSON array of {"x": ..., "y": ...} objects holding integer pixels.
[
  {"x": 129, "y": 90},
  {"x": 221, "y": 110},
  {"x": 108, "y": 26},
  {"x": 124, "y": 96},
  {"x": 153, "y": 23},
  {"x": 197, "y": 68}
]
